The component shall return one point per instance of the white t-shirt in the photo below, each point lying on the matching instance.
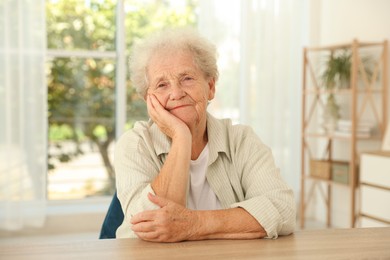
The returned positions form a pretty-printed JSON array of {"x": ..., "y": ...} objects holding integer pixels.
[{"x": 201, "y": 196}]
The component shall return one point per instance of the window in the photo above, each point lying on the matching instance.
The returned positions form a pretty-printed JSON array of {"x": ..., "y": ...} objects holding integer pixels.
[{"x": 89, "y": 94}]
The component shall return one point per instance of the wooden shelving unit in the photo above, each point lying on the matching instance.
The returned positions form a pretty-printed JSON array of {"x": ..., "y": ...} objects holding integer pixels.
[
  {"x": 366, "y": 92},
  {"x": 375, "y": 189}
]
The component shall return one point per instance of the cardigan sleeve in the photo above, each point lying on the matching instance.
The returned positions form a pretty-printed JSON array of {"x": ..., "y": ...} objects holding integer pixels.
[
  {"x": 135, "y": 169},
  {"x": 267, "y": 197}
]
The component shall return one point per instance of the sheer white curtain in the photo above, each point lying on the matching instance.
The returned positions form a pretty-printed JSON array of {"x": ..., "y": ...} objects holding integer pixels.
[
  {"x": 23, "y": 118},
  {"x": 260, "y": 45}
]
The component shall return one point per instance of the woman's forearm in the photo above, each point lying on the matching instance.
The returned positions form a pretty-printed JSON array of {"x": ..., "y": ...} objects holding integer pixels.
[
  {"x": 171, "y": 182},
  {"x": 234, "y": 223}
]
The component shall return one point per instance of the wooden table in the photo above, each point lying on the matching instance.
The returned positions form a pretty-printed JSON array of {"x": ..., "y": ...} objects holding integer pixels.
[{"x": 363, "y": 243}]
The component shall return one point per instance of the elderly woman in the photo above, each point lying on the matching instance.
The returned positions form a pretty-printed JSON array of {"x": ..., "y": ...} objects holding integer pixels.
[{"x": 185, "y": 175}]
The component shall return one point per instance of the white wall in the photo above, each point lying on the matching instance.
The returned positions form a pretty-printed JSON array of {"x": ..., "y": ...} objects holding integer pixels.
[{"x": 341, "y": 21}]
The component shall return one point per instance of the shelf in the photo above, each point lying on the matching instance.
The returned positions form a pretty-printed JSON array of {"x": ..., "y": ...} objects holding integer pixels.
[
  {"x": 344, "y": 46},
  {"x": 375, "y": 186},
  {"x": 328, "y": 182},
  {"x": 346, "y": 91},
  {"x": 365, "y": 98},
  {"x": 340, "y": 137},
  {"x": 375, "y": 218}
]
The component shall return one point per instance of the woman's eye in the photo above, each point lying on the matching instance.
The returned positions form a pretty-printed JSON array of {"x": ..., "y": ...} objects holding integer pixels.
[
  {"x": 161, "y": 85},
  {"x": 188, "y": 78}
]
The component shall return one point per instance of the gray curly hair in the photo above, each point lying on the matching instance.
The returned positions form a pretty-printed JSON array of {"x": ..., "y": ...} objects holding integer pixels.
[{"x": 170, "y": 41}]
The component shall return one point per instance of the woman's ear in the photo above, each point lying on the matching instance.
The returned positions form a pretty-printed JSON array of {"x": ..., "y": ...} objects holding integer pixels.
[{"x": 211, "y": 85}]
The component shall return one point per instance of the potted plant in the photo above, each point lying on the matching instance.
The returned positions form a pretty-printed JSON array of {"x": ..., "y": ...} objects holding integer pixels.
[{"x": 337, "y": 75}]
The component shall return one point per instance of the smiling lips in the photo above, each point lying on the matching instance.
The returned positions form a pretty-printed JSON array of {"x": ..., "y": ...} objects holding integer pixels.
[{"x": 179, "y": 106}]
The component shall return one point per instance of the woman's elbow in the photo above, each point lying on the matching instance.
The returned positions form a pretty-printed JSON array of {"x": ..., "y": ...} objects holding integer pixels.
[{"x": 289, "y": 222}]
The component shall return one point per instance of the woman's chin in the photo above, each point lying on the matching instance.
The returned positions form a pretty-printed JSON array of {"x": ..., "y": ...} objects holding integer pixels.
[{"x": 188, "y": 118}]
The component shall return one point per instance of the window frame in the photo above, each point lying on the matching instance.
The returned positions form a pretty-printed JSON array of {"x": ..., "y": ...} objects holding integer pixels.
[{"x": 119, "y": 56}]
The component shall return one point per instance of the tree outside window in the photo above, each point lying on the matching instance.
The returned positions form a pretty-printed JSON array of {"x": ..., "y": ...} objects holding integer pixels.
[{"x": 82, "y": 85}]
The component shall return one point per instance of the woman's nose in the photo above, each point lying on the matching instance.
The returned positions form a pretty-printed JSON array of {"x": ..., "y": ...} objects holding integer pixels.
[{"x": 176, "y": 92}]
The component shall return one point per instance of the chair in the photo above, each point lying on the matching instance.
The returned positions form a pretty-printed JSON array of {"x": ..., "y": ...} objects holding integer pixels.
[{"x": 113, "y": 219}]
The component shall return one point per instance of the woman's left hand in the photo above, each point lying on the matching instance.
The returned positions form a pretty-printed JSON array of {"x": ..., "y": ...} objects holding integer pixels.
[
  {"x": 171, "y": 223},
  {"x": 167, "y": 122}
]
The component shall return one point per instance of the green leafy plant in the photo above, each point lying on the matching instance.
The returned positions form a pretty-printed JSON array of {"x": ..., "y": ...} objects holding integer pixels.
[{"x": 337, "y": 75}]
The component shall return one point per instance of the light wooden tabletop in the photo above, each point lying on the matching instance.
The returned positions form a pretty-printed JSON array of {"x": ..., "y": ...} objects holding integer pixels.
[{"x": 363, "y": 243}]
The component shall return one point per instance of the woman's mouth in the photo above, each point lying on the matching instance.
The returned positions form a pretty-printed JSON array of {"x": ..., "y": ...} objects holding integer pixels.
[{"x": 177, "y": 107}]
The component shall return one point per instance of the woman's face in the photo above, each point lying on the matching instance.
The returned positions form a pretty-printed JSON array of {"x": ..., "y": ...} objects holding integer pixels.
[{"x": 180, "y": 86}]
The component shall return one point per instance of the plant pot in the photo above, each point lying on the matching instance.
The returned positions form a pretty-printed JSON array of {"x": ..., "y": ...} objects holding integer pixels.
[{"x": 331, "y": 114}]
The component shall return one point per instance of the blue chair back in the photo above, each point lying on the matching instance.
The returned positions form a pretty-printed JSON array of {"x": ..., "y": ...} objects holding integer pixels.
[{"x": 113, "y": 219}]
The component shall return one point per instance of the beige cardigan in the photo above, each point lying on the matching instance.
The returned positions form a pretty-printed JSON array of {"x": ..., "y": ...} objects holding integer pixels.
[{"x": 241, "y": 172}]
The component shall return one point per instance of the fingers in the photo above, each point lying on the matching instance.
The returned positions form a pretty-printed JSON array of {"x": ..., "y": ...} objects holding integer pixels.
[
  {"x": 169, "y": 223},
  {"x": 158, "y": 113},
  {"x": 143, "y": 227},
  {"x": 145, "y": 231},
  {"x": 150, "y": 107},
  {"x": 150, "y": 215},
  {"x": 148, "y": 236},
  {"x": 152, "y": 231},
  {"x": 144, "y": 216},
  {"x": 159, "y": 201},
  {"x": 155, "y": 109},
  {"x": 167, "y": 122}
]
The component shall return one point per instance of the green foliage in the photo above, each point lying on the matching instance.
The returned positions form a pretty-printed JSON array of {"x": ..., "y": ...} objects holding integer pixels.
[
  {"x": 60, "y": 132},
  {"x": 337, "y": 75},
  {"x": 338, "y": 70},
  {"x": 332, "y": 109},
  {"x": 81, "y": 91},
  {"x": 72, "y": 24}
]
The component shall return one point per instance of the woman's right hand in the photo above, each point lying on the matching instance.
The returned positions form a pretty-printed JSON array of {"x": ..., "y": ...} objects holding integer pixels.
[{"x": 168, "y": 123}]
